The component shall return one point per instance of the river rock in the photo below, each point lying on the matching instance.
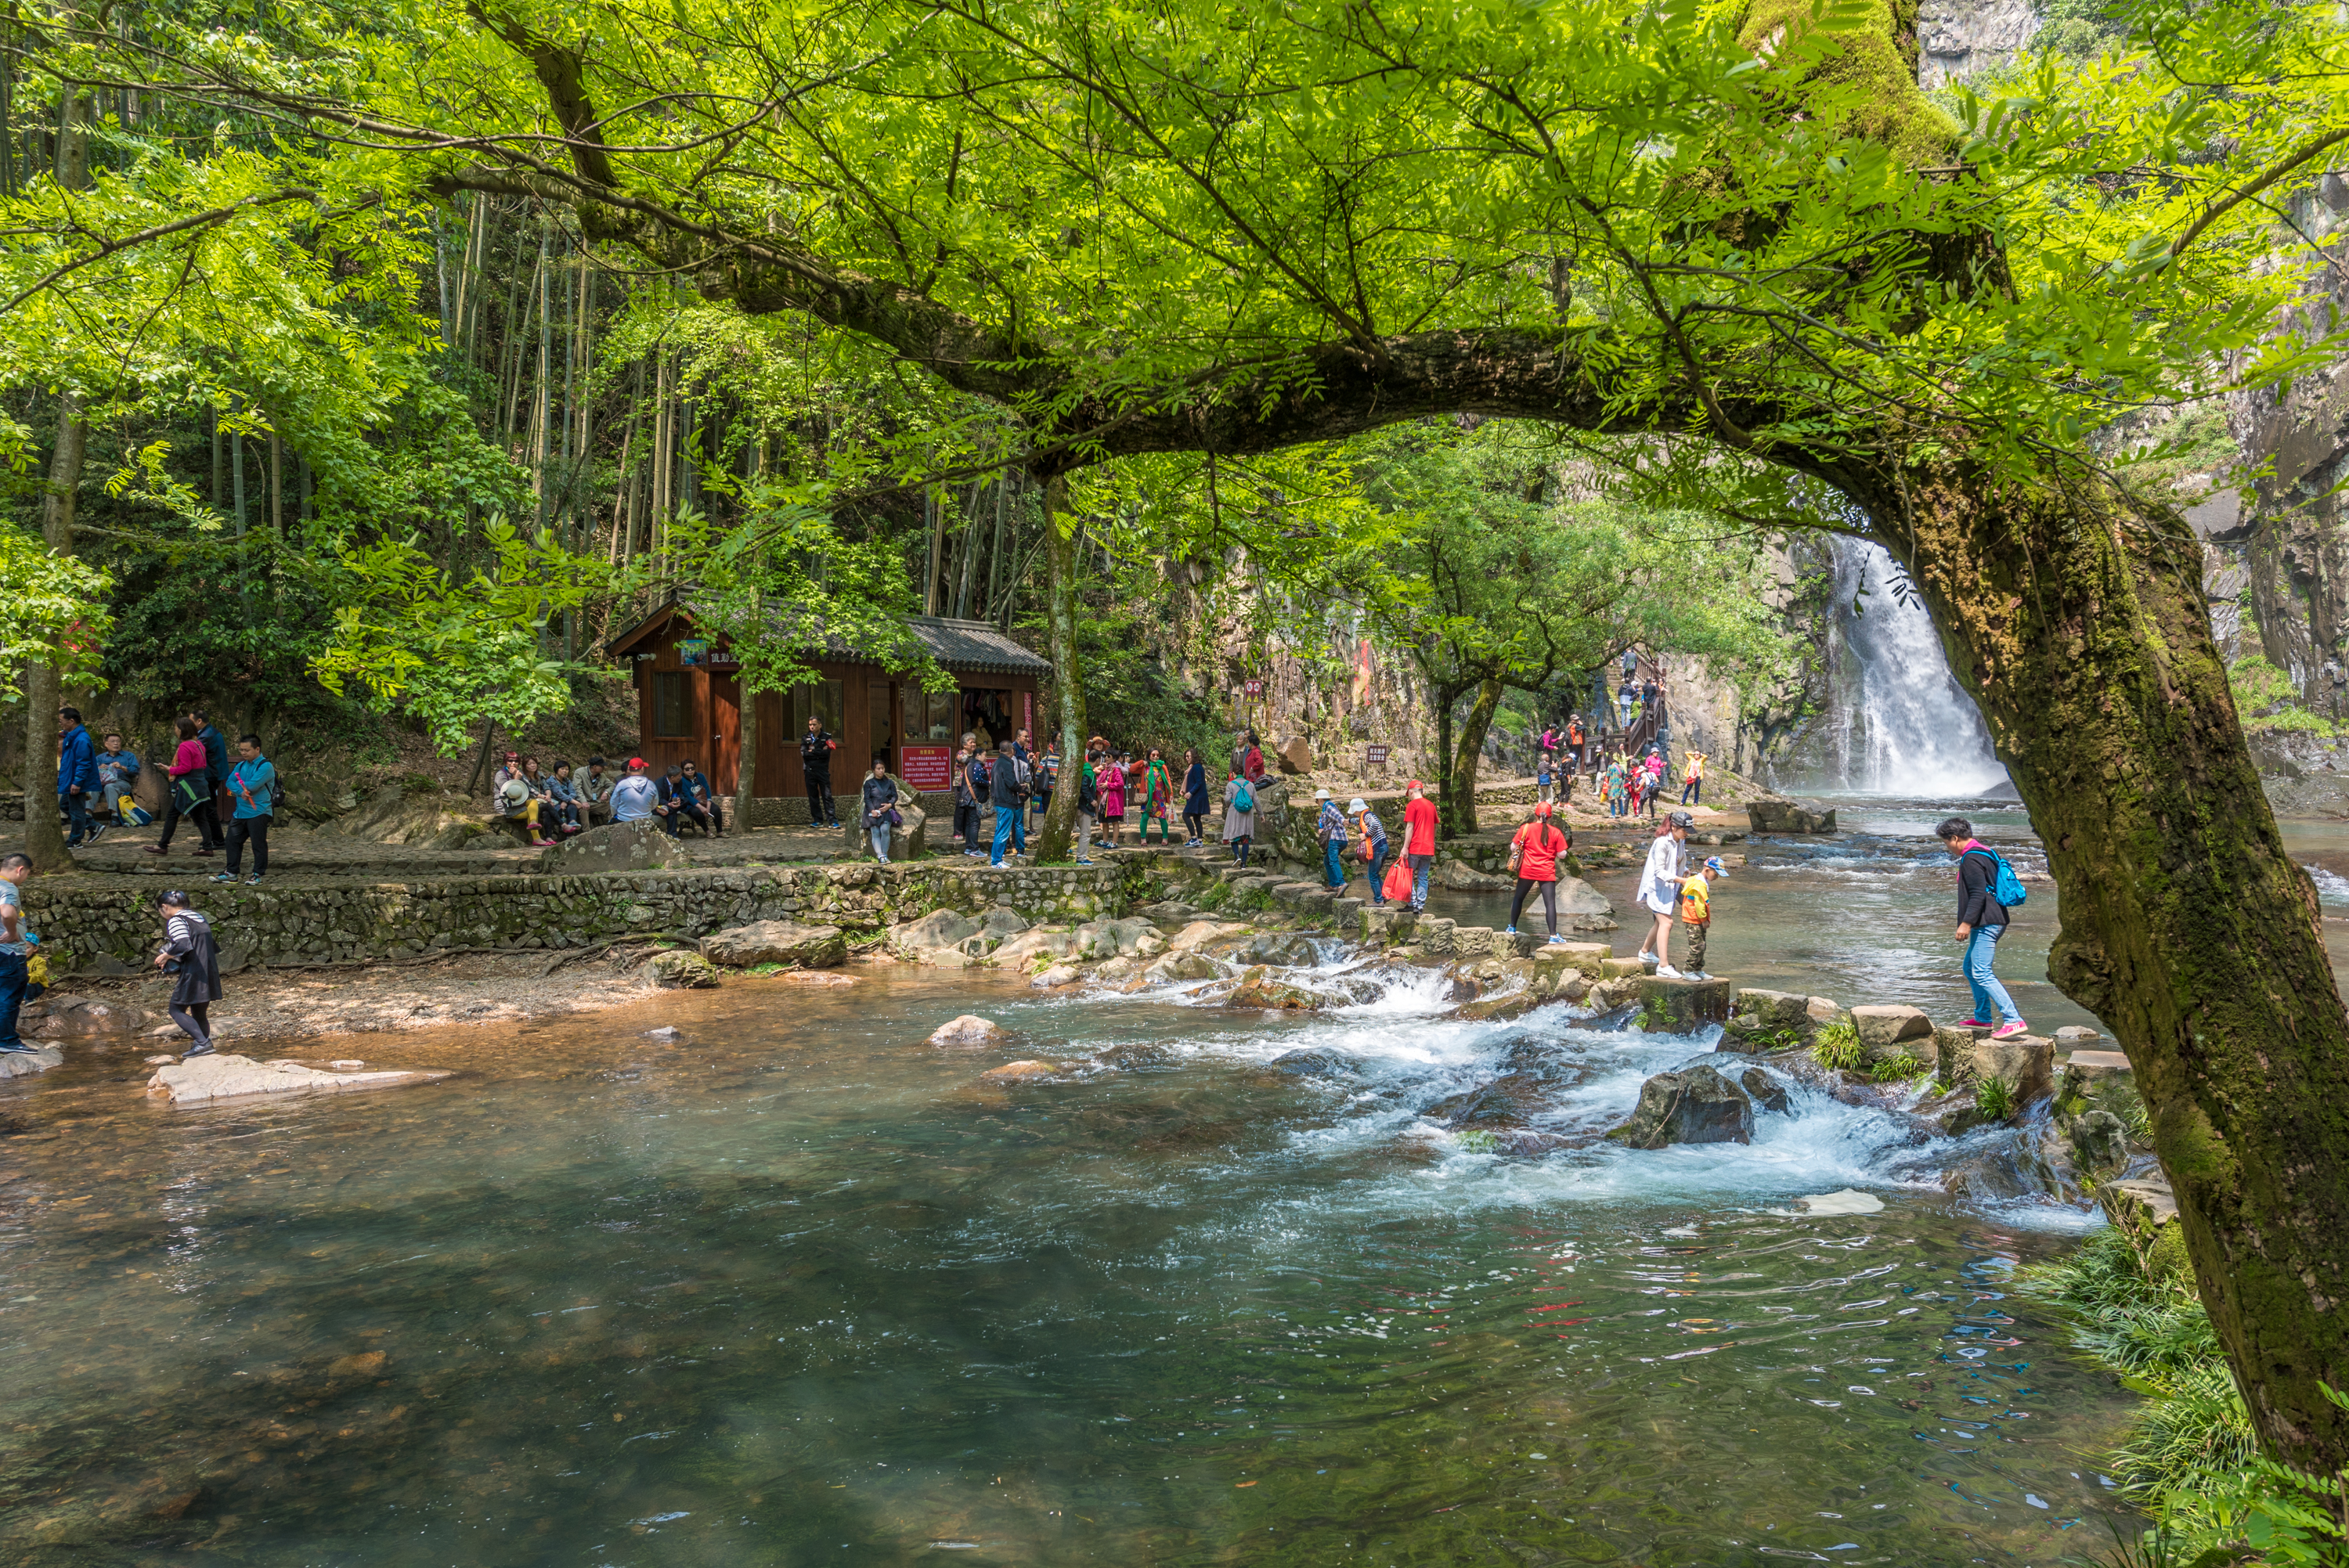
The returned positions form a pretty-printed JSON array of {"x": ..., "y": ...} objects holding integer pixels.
[
  {"x": 25, "y": 1064},
  {"x": 1114, "y": 938},
  {"x": 1767, "y": 1092},
  {"x": 71, "y": 1019},
  {"x": 1460, "y": 877},
  {"x": 1258, "y": 989},
  {"x": 2070, "y": 1036},
  {"x": 1762, "y": 1020},
  {"x": 1199, "y": 933},
  {"x": 969, "y": 1031},
  {"x": 1885, "y": 1030},
  {"x": 2145, "y": 1210},
  {"x": 1784, "y": 814},
  {"x": 1001, "y": 924},
  {"x": 681, "y": 970},
  {"x": 1504, "y": 1103},
  {"x": 2026, "y": 1063},
  {"x": 1682, "y": 1007},
  {"x": 1696, "y": 1105},
  {"x": 1055, "y": 976},
  {"x": 229, "y": 1077},
  {"x": 1511, "y": 1004},
  {"x": 777, "y": 942},
  {"x": 939, "y": 928},
  {"x": 907, "y": 843},
  {"x": 1182, "y": 968},
  {"x": 1314, "y": 1062},
  {"x": 2008, "y": 1169},
  {"x": 2097, "y": 1081},
  {"x": 615, "y": 847},
  {"x": 1036, "y": 942},
  {"x": 2100, "y": 1141},
  {"x": 1575, "y": 896}
]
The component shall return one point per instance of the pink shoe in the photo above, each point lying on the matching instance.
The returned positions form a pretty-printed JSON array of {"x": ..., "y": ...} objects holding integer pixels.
[
  {"x": 542, "y": 843},
  {"x": 2009, "y": 1029},
  {"x": 1972, "y": 1024}
]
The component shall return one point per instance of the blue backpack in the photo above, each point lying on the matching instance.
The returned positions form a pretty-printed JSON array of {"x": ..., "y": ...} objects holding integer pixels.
[
  {"x": 1244, "y": 799},
  {"x": 2006, "y": 887}
]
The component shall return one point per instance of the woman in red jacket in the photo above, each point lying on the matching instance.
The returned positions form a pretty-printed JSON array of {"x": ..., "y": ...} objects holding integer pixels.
[{"x": 188, "y": 792}]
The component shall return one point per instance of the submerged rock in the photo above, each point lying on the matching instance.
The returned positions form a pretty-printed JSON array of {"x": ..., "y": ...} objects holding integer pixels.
[
  {"x": 1515, "y": 1004},
  {"x": 681, "y": 970},
  {"x": 24, "y": 1063},
  {"x": 228, "y": 1076},
  {"x": 969, "y": 1031},
  {"x": 1182, "y": 968},
  {"x": 1505, "y": 1104},
  {"x": 1314, "y": 1062},
  {"x": 939, "y": 928},
  {"x": 1023, "y": 1072},
  {"x": 777, "y": 942},
  {"x": 1694, "y": 1106},
  {"x": 1849, "y": 1200},
  {"x": 1057, "y": 975}
]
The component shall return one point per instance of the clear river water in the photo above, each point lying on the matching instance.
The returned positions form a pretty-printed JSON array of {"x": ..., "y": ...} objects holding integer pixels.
[{"x": 798, "y": 1288}]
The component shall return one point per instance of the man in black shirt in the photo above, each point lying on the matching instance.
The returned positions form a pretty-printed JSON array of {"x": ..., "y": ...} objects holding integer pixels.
[{"x": 816, "y": 747}]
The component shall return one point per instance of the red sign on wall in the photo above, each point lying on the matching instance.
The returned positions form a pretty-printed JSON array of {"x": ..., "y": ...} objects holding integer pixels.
[
  {"x": 1254, "y": 688},
  {"x": 927, "y": 767},
  {"x": 1028, "y": 712}
]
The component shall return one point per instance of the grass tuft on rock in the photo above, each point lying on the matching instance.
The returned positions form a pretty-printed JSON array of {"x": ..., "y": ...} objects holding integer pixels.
[{"x": 1839, "y": 1047}]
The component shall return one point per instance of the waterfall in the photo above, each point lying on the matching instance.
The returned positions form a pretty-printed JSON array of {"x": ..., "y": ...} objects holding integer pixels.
[{"x": 1903, "y": 724}]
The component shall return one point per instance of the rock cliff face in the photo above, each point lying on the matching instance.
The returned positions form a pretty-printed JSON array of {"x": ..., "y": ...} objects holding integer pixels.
[{"x": 1957, "y": 38}]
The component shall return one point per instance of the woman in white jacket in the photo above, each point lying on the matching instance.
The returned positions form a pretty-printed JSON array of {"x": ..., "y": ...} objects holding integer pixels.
[{"x": 1659, "y": 890}]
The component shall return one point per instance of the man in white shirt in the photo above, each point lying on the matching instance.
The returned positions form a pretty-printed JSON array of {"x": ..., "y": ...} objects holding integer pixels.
[
  {"x": 1659, "y": 890},
  {"x": 633, "y": 796}
]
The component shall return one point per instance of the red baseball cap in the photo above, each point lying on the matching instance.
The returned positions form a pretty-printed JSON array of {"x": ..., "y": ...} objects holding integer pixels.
[
  {"x": 635, "y": 762},
  {"x": 1413, "y": 784}
]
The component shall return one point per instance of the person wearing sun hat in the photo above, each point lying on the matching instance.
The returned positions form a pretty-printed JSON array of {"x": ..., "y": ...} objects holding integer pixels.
[
  {"x": 1329, "y": 828},
  {"x": 1375, "y": 845},
  {"x": 1696, "y": 913}
]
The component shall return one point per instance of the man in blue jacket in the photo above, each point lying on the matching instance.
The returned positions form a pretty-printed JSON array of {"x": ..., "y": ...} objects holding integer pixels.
[{"x": 77, "y": 776}]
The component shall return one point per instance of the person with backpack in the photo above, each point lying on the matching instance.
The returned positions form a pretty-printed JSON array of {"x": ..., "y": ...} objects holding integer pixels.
[
  {"x": 190, "y": 794},
  {"x": 1329, "y": 829},
  {"x": 252, "y": 797},
  {"x": 1004, "y": 790},
  {"x": 970, "y": 788},
  {"x": 1375, "y": 845},
  {"x": 1987, "y": 889},
  {"x": 1533, "y": 859},
  {"x": 1023, "y": 786},
  {"x": 1239, "y": 815},
  {"x": 190, "y": 953},
  {"x": 1088, "y": 804}
]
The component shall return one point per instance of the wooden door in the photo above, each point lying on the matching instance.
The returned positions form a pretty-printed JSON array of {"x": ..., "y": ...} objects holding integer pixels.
[{"x": 725, "y": 713}]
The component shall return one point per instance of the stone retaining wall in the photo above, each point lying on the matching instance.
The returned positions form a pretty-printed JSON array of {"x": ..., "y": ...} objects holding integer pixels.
[{"x": 112, "y": 929}]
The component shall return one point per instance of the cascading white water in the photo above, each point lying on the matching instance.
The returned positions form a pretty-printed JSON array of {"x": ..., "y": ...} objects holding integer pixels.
[{"x": 1903, "y": 724}]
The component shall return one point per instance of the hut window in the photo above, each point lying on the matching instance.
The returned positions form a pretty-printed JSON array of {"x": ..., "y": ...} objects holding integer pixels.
[{"x": 672, "y": 709}]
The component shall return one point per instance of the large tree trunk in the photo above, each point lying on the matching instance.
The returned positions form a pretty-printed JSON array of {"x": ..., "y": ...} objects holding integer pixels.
[
  {"x": 45, "y": 840},
  {"x": 2076, "y": 615},
  {"x": 745, "y": 769},
  {"x": 1459, "y": 818},
  {"x": 1053, "y": 839}
]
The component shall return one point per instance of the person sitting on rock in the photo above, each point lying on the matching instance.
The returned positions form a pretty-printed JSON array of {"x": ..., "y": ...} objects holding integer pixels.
[
  {"x": 188, "y": 951},
  {"x": 698, "y": 802},
  {"x": 563, "y": 799},
  {"x": 634, "y": 797}
]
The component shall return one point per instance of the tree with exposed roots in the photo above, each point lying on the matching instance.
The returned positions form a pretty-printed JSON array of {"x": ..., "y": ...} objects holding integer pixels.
[{"x": 1731, "y": 250}]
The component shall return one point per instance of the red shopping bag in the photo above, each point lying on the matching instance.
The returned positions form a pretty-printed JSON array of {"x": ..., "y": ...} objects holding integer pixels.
[{"x": 1399, "y": 882}]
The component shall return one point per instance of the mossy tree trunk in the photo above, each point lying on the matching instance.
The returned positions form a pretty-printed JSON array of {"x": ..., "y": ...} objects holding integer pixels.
[
  {"x": 2075, "y": 614},
  {"x": 1459, "y": 816}
]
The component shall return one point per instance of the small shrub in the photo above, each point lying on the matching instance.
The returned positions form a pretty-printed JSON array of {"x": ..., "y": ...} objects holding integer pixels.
[
  {"x": 1839, "y": 1046},
  {"x": 1477, "y": 1141},
  {"x": 1994, "y": 1098},
  {"x": 419, "y": 784},
  {"x": 1939, "y": 1087},
  {"x": 1901, "y": 1068}
]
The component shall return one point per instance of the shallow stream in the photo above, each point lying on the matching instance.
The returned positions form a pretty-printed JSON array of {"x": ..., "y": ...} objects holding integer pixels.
[{"x": 800, "y": 1289}]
